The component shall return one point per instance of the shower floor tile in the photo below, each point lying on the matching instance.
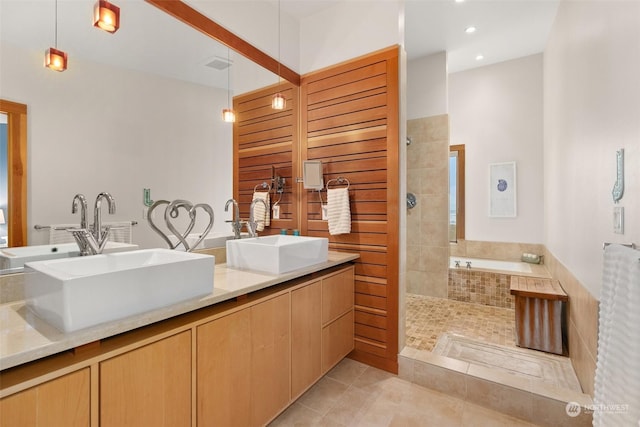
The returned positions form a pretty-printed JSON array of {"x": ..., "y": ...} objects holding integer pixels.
[{"x": 429, "y": 317}]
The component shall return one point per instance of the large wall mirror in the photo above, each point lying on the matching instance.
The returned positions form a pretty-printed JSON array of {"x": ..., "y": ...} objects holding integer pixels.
[{"x": 137, "y": 109}]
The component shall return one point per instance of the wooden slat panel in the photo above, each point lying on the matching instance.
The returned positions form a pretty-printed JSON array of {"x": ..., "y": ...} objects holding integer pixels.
[
  {"x": 372, "y": 133},
  {"x": 371, "y": 289},
  {"x": 372, "y": 347},
  {"x": 357, "y": 74},
  {"x": 350, "y": 122},
  {"x": 350, "y": 88},
  {"x": 371, "y": 319},
  {"x": 371, "y": 301},
  {"x": 371, "y": 333},
  {"x": 347, "y": 128},
  {"x": 359, "y": 147},
  {"x": 264, "y": 139},
  {"x": 360, "y": 104},
  {"x": 377, "y": 113}
]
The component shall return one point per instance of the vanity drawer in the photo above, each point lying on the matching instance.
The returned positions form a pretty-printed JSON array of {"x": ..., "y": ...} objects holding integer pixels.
[{"x": 337, "y": 294}]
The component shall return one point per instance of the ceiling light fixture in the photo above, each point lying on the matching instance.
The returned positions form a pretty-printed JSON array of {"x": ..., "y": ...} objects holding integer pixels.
[
  {"x": 53, "y": 58},
  {"x": 106, "y": 16},
  {"x": 470, "y": 30},
  {"x": 278, "y": 102},
  {"x": 479, "y": 57},
  {"x": 227, "y": 114}
]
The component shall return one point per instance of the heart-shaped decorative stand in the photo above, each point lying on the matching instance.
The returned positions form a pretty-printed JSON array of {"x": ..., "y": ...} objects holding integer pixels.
[{"x": 172, "y": 211}]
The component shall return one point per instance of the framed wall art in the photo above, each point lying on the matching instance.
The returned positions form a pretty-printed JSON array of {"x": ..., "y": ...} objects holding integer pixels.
[{"x": 502, "y": 190}]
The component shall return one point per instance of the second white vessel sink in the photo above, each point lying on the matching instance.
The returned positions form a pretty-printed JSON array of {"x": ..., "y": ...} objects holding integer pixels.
[
  {"x": 16, "y": 257},
  {"x": 277, "y": 254},
  {"x": 76, "y": 293}
]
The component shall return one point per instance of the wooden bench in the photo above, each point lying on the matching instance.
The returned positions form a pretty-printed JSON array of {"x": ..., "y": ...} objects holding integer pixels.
[{"x": 540, "y": 306}]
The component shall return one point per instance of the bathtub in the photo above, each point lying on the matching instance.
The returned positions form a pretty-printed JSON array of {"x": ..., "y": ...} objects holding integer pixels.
[{"x": 489, "y": 264}]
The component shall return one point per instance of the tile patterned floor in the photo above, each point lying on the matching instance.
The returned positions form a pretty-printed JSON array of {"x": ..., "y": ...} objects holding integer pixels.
[
  {"x": 429, "y": 317},
  {"x": 354, "y": 394}
]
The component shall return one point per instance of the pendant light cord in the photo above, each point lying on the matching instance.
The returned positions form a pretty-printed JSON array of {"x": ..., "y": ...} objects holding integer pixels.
[
  {"x": 56, "y": 27},
  {"x": 228, "y": 77},
  {"x": 279, "y": 37}
]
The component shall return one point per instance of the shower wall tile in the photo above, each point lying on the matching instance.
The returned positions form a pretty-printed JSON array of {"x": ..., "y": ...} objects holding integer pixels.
[
  {"x": 583, "y": 323},
  {"x": 507, "y": 251},
  {"x": 432, "y": 234},
  {"x": 427, "y": 223}
]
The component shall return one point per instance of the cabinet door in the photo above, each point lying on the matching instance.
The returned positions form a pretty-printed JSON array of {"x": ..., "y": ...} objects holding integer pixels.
[
  {"x": 306, "y": 333},
  {"x": 60, "y": 402},
  {"x": 337, "y": 295},
  {"x": 148, "y": 386},
  {"x": 337, "y": 341},
  {"x": 223, "y": 363},
  {"x": 270, "y": 359}
]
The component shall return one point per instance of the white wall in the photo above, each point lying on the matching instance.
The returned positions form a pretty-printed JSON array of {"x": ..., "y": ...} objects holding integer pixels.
[
  {"x": 348, "y": 30},
  {"x": 592, "y": 109},
  {"x": 496, "y": 112},
  {"x": 93, "y": 128},
  {"x": 427, "y": 78}
]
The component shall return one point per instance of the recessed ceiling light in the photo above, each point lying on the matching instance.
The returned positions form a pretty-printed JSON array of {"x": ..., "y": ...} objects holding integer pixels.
[
  {"x": 470, "y": 30},
  {"x": 479, "y": 57}
]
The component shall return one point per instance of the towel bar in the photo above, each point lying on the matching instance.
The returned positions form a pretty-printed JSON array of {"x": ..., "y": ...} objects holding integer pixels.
[{"x": 46, "y": 227}]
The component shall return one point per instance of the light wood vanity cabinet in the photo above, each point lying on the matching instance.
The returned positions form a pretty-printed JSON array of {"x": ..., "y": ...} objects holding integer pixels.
[
  {"x": 148, "y": 386},
  {"x": 63, "y": 401},
  {"x": 306, "y": 337},
  {"x": 223, "y": 375},
  {"x": 243, "y": 365},
  {"x": 239, "y": 363},
  {"x": 337, "y": 317}
]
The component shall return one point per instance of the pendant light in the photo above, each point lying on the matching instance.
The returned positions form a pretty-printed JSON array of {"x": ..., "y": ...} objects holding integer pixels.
[
  {"x": 106, "y": 16},
  {"x": 55, "y": 59},
  {"x": 278, "y": 102},
  {"x": 227, "y": 114}
]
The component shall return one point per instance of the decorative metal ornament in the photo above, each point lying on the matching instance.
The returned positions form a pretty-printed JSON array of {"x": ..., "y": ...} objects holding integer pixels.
[{"x": 618, "y": 187}]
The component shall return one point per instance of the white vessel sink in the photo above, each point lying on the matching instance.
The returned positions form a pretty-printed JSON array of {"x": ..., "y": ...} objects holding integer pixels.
[
  {"x": 75, "y": 293},
  {"x": 277, "y": 254},
  {"x": 213, "y": 240},
  {"x": 16, "y": 257}
]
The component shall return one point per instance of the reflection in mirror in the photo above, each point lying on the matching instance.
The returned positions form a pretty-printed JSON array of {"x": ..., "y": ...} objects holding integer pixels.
[
  {"x": 4, "y": 185},
  {"x": 13, "y": 199},
  {"x": 456, "y": 193},
  {"x": 137, "y": 109}
]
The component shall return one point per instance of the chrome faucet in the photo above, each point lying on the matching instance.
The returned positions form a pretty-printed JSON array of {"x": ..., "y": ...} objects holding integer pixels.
[
  {"x": 99, "y": 234},
  {"x": 252, "y": 225},
  {"x": 79, "y": 198},
  {"x": 236, "y": 224},
  {"x": 91, "y": 240}
]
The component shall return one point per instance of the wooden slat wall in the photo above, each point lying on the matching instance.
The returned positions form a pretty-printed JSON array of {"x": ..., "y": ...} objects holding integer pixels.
[
  {"x": 349, "y": 120},
  {"x": 263, "y": 138}
]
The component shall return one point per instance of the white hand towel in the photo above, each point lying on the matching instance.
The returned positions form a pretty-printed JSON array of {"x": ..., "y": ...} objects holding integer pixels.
[
  {"x": 260, "y": 214},
  {"x": 617, "y": 379},
  {"x": 338, "y": 211}
]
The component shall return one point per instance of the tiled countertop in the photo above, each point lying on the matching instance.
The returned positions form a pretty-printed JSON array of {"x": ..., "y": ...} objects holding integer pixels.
[{"x": 25, "y": 338}]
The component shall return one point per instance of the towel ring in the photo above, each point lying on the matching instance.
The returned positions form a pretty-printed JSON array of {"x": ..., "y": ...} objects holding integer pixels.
[
  {"x": 263, "y": 185},
  {"x": 339, "y": 180}
]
